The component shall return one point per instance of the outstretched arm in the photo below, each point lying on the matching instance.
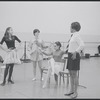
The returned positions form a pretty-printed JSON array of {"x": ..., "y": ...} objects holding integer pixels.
[
  {"x": 43, "y": 45},
  {"x": 47, "y": 54},
  {"x": 50, "y": 50}
]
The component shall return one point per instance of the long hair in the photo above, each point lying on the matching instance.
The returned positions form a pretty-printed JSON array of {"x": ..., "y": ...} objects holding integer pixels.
[{"x": 6, "y": 35}]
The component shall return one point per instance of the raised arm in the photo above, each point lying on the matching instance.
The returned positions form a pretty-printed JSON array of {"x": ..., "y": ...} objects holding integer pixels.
[
  {"x": 29, "y": 47},
  {"x": 43, "y": 45},
  {"x": 47, "y": 54}
]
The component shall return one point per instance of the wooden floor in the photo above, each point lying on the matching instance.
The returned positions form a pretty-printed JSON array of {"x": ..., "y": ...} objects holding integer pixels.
[{"x": 24, "y": 87}]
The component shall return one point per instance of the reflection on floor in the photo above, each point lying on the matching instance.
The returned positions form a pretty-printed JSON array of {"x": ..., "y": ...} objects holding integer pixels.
[{"x": 24, "y": 87}]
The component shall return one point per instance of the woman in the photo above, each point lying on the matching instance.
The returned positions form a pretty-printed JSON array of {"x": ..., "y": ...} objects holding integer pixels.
[
  {"x": 12, "y": 56},
  {"x": 75, "y": 46},
  {"x": 56, "y": 63},
  {"x": 36, "y": 56}
]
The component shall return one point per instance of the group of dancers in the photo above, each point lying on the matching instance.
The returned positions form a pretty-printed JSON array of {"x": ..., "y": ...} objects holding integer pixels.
[{"x": 37, "y": 49}]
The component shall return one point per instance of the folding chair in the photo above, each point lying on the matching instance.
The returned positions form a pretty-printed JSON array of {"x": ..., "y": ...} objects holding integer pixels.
[
  {"x": 45, "y": 68},
  {"x": 63, "y": 73}
]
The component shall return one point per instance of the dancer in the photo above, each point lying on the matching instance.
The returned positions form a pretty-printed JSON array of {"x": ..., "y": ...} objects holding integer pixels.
[
  {"x": 12, "y": 56},
  {"x": 74, "y": 47},
  {"x": 56, "y": 63},
  {"x": 36, "y": 56}
]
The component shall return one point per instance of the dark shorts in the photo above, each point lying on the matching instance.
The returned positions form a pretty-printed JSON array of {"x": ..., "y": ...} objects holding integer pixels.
[{"x": 73, "y": 64}]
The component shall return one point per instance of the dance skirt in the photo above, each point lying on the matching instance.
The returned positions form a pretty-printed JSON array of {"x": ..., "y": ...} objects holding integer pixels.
[
  {"x": 55, "y": 66},
  {"x": 12, "y": 57},
  {"x": 36, "y": 56},
  {"x": 73, "y": 64}
]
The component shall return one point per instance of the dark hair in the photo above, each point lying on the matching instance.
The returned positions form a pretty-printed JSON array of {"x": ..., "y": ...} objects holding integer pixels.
[
  {"x": 6, "y": 35},
  {"x": 58, "y": 44},
  {"x": 76, "y": 26},
  {"x": 35, "y": 30}
]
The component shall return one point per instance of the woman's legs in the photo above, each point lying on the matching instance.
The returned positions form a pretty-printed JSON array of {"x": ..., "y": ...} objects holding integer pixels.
[
  {"x": 5, "y": 74},
  {"x": 40, "y": 68},
  {"x": 74, "y": 83},
  {"x": 71, "y": 81},
  {"x": 34, "y": 70},
  {"x": 56, "y": 78},
  {"x": 10, "y": 73}
]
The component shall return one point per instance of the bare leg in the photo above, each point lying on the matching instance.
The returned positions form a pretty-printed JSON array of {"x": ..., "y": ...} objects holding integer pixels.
[
  {"x": 34, "y": 70},
  {"x": 71, "y": 81},
  {"x": 56, "y": 78},
  {"x": 75, "y": 81},
  {"x": 75, "y": 78},
  {"x": 71, "y": 91}
]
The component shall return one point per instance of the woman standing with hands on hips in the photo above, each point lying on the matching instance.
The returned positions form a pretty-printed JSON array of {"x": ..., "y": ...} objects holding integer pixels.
[
  {"x": 74, "y": 47},
  {"x": 11, "y": 57}
]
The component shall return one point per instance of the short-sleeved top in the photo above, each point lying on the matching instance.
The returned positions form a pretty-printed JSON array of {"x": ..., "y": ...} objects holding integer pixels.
[
  {"x": 10, "y": 43},
  {"x": 33, "y": 46}
]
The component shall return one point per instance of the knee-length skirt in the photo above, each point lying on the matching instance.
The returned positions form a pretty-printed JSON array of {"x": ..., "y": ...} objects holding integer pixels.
[
  {"x": 73, "y": 64},
  {"x": 12, "y": 57},
  {"x": 36, "y": 56}
]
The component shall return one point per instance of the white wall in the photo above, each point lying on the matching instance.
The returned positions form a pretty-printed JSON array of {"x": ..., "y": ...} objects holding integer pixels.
[{"x": 51, "y": 18}]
